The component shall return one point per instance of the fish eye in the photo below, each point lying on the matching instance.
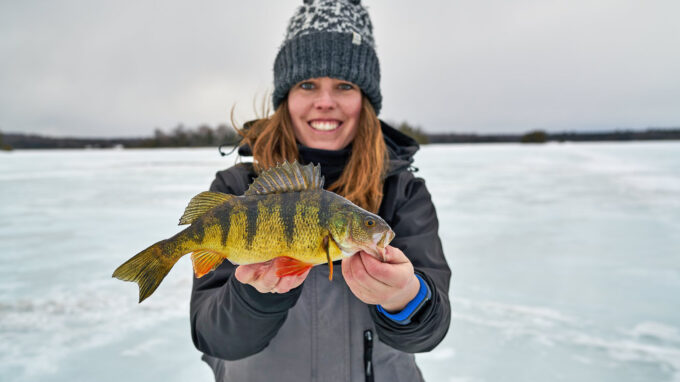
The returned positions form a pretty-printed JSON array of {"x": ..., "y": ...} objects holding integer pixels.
[{"x": 370, "y": 223}]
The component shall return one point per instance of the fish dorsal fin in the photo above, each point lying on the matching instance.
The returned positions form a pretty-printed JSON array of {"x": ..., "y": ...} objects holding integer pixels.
[
  {"x": 201, "y": 203},
  {"x": 287, "y": 177}
]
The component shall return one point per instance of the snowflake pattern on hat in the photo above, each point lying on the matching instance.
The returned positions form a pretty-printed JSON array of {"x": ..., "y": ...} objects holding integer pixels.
[{"x": 331, "y": 16}]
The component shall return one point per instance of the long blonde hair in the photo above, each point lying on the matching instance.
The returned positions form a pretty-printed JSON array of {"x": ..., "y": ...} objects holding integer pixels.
[{"x": 272, "y": 140}]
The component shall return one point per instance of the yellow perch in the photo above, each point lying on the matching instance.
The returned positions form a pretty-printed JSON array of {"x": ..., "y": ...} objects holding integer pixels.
[{"x": 285, "y": 214}]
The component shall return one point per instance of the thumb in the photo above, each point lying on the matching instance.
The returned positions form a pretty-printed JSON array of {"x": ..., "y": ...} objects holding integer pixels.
[
  {"x": 250, "y": 272},
  {"x": 394, "y": 255},
  {"x": 244, "y": 274}
]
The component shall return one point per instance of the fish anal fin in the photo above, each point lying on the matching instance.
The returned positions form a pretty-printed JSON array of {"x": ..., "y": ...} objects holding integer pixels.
[
  {"x": 288, "y": 266},
  {"x": 201, "y": 203},
  {"x": 205, "y": 261}
]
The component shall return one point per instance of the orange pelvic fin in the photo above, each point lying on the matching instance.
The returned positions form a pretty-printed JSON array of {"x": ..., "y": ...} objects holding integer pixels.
[
  {"x": 288, "y": 266},
  {"x": 205, "y": 261},
  {"x": 328, "y": 257}
]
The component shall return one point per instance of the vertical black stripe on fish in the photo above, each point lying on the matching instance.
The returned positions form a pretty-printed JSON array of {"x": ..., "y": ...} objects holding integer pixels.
[
  {"x": 251, "y": 222},
  {"x": 197, "y": 231},
  {"x": 289, "y": 202},
  {"x": 224, "y": 219},
  {"x": 324, "y": 204}
]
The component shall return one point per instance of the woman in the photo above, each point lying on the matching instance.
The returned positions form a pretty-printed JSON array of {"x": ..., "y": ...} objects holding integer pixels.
[{"x": 366, "y": 324}]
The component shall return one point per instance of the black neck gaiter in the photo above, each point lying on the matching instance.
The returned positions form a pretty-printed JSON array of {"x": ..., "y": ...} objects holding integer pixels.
[{"x": 332, "y": 161}]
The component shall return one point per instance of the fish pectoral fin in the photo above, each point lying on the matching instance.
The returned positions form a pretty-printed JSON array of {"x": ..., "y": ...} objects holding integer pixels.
[
  {"x": 205, "y": 261},
  {"x": 334, "y": 249},
  {"x": 327, "y": 247},
  {"x": 201, "y": 203},
  {"x": 288, "y": 266}
]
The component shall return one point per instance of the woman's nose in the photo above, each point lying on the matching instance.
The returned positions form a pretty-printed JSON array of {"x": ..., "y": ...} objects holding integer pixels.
[{"x": 325, "y": 100}]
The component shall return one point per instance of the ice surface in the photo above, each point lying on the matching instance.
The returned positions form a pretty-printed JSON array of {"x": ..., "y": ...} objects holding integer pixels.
[{"x": 564, "y": 256}]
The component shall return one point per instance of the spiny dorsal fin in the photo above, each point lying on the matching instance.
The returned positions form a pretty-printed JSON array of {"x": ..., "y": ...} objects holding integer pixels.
[
  {"x": 287, "y": 177},
  {"x": 201, "y": 203}
]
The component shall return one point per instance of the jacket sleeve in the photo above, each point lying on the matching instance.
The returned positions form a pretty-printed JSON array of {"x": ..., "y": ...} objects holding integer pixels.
[
  {"x": 231, "y": 320},
  {"x": 414, "y": 221}
]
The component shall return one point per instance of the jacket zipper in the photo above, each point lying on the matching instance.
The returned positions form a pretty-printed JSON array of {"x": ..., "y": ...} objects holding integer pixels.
[{"x": 368, "y": 355}]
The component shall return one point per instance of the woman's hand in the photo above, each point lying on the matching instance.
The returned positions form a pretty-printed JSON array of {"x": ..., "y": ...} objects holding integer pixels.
[
  {"x": 391, "y": 284},
  {"x": 262, "y": 276}
]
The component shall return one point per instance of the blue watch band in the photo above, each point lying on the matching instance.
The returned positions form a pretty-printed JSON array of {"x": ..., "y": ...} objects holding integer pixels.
[{"x": 404, "y": 317}]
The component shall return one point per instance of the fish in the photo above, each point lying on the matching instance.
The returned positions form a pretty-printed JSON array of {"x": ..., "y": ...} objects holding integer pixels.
[{"x": 285, "y": 216}]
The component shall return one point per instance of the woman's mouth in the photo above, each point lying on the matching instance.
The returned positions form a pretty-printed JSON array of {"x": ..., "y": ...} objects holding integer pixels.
[{"x": 324, "y": 125}]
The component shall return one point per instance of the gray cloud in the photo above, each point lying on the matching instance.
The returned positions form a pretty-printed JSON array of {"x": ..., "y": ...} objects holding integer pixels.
[{"x": 95, "y": 68}]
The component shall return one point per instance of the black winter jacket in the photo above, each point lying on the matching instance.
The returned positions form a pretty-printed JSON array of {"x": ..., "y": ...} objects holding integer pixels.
[{"x": 233, "y": 324}]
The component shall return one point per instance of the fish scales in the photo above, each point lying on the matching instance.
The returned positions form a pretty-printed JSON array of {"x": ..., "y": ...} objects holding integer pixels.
[
  {"x": 308, "y": 234},
  {"x": 270, "y": 231},
  {"x": 253, "y": 226},
  {"x": 289, "y": 205},
  {"x": 251, "y": 221},
  {"x": 325, "y": 200},
  {"x": 237, "y": 226},
  {"x": 224, "y": 219}
]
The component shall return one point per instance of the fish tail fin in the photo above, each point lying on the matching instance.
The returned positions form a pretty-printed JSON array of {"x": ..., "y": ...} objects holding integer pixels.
[{"x": 147, "y": 268}]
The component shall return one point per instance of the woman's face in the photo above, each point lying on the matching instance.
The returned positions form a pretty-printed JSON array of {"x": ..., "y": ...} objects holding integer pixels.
[{"x": 325, "y": 112}]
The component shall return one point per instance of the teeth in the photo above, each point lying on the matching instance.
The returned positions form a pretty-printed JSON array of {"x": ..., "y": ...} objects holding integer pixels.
[{"x": 325, "y": 125}]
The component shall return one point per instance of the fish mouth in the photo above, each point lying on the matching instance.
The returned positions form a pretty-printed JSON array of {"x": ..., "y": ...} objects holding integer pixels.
[
  {"x": 385, "y": 239},
  {"x": 381, "y": 240}
]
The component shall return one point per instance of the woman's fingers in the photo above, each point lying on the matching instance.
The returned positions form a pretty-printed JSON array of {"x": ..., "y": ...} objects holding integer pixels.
[
  {"x": 361, "y": 282},
  {"x": 287, "y": 283},
  {"x": 262, "y": 276},
  {"x": 246, "y": 273},
  {"x": 391, "y": 283},
  {"x": 393, "y": 272}
]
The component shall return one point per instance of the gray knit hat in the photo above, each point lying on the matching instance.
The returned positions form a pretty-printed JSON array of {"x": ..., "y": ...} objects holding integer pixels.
[{"x": 329, "y": 38}]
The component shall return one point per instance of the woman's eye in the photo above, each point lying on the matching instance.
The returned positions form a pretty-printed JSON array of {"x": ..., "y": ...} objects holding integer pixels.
[
  {"x": 345, "y": 87},
  {"x": 307, "y": 85}
]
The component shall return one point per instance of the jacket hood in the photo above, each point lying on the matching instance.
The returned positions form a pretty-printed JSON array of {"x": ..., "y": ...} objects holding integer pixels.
[{"x": 400, "y": 147}]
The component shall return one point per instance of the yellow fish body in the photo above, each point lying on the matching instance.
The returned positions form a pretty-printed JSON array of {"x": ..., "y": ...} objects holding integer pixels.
[{"x": 285, "y": 214}]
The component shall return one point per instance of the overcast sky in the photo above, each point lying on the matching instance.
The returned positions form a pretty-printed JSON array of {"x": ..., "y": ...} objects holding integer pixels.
[{"x": 122, "y": 68}]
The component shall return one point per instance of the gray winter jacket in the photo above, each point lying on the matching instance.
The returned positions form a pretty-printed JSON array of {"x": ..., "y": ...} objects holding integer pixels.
[{"x": 320, "y": 331}]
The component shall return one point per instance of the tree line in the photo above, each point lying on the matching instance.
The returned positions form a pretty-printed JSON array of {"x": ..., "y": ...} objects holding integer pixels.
[
  {"x": 180, "y": 136},
  {"x": 208, "y": 136},
  {"x": 201, "y": 136}
]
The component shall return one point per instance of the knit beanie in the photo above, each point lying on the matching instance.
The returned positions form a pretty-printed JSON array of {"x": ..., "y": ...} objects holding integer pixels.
[{"x": 329, "y": 38}]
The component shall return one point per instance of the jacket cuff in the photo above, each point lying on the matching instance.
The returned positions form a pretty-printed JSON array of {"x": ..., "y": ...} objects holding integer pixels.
[{"x": 411, "y": 309}]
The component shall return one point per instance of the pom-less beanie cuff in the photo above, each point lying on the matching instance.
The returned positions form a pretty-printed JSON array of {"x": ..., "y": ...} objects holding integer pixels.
[{"x": 327, "y": 54}]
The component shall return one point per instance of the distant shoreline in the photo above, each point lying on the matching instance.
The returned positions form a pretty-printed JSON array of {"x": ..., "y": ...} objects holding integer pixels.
[
  {"x": 33, "y": 141},
  {"x": 539, "y": 136}
]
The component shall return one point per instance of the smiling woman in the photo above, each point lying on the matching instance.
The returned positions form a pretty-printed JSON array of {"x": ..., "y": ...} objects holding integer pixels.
[
  {"x": 325, "y": 112},
  {"x": 253, "y": 324}
]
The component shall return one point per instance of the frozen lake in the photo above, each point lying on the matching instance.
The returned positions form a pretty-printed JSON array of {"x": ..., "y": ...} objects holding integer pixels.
[{"x": 565, "y": 259}]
